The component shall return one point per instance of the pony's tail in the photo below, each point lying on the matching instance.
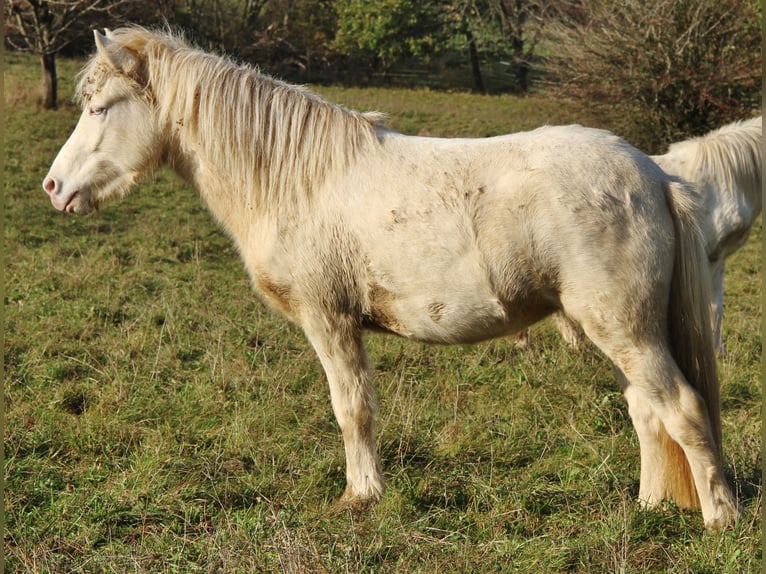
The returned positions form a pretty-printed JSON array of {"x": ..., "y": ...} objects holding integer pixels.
[{"x": 691, "y": 338}]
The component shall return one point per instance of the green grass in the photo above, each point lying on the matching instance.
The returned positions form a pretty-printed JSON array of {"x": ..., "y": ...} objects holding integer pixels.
[{"x": 160, "y": 419}]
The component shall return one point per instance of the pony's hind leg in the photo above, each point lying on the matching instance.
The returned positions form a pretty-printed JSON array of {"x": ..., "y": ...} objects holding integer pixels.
[
  {"x": 683, "y": 414},
  {"x": 569, "y": 331},
  {"x": 679, "y": 455},
  {"x": 665, "y": 472},
  {"x": 338, "y": 344}
]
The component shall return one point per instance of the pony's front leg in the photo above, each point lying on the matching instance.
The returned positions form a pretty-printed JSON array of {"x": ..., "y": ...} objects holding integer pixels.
[{"x": 338, "y": 343}]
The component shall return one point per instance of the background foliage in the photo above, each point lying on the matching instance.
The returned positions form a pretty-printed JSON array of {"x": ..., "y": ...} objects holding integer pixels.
[
  {"x": 681, "y": 66},
  {"x": 656, "y": 71}
]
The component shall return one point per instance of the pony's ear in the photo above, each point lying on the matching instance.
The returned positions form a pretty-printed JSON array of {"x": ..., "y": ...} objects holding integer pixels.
[{"x": 122, "y": 59}]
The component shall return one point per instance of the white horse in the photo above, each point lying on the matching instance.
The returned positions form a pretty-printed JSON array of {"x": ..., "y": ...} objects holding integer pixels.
[
  {"x": 725, "y": 166},
  {"x": 345, "y": 225}
]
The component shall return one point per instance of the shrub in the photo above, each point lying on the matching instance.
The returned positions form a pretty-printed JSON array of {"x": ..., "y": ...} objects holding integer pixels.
[{"x": 661, "y": 70}]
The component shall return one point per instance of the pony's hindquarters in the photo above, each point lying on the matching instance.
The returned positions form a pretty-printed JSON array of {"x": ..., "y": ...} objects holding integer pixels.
[{"x": 656, "y": 331}]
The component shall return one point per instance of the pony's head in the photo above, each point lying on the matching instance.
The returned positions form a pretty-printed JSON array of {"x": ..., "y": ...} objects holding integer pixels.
[{"x": 117, "y": 139}]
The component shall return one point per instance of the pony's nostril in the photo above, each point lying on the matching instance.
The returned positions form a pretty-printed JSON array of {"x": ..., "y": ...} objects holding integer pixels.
[{"x": 50, "y": 185}]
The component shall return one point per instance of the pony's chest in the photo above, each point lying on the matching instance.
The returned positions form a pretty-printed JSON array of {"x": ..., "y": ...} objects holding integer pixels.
[{"x": 279, "y": 294}]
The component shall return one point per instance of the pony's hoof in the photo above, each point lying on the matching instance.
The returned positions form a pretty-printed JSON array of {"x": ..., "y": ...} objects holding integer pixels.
[
  {"x": 522, "y": 341},
  {"x": 350, "y": 502},
  {"x": 722, "y": 520}
]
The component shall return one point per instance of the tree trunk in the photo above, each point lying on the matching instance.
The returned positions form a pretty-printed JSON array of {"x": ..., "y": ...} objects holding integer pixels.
[
  {"x": 473, "y": 53},
  {"x": 50, "y": 81},
  {"x": 521, "y": 64},
  {"x": 522, "y": 77},
  {"x": 518, "y": 16}
]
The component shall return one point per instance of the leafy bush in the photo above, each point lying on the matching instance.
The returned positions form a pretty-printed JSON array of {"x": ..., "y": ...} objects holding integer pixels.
[{"x": 388, "y": 30}]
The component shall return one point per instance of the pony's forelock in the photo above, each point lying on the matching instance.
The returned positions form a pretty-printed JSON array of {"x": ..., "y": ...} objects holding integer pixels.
[{"x": 97, "y": 70}]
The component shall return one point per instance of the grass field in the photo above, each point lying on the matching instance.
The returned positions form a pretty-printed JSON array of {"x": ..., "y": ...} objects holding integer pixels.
[{"x": 160, "y": 419}]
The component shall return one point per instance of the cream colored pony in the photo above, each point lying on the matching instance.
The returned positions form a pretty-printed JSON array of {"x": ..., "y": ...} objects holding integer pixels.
[
  {"x": 725, "y": 166},
  {"x": 345, "y": 225}
]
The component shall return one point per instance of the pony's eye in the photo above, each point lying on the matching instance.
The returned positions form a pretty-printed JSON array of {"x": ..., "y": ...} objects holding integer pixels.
[{"x": 96, "y": 110}]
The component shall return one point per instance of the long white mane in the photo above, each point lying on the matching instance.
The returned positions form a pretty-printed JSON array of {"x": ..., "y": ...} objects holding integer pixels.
[
  {"x": 269, "y": 136},
  {"x": 729, "y": 158}
]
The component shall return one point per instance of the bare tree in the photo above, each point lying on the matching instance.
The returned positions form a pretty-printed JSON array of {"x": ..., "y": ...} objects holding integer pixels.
[
  {"x": 45, "y": 27},
  {"x": 501, "y": 29},
  {"x": 521, "y": 24},
  {"x": 660, "y": 70}
]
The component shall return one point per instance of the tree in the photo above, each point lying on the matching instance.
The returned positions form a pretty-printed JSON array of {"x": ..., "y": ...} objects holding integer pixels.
[
  {"x": 661, "y": 70},
  {"x": 462, "y": 15},
  {"x": 45, "y": 27},
  {"x": 219, "y": 25},
  {"x": 387, "y": 31},
  {"x": 293, "y": 36},
  {"x": 501, "y": 30},
  {"x": 521, "y": 24}
]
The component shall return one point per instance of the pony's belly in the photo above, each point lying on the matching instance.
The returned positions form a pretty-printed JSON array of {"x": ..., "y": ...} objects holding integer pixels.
[{"x": 442, "y": 317}]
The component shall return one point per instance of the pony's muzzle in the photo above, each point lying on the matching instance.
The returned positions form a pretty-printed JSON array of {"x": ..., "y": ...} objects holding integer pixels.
[
  {"x": 61, "y": 201},
  {"x": 51, "y": 186}
]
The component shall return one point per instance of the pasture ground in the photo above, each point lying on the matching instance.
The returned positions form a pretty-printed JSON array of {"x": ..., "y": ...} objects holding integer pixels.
[{"x": 159, "y": 419}]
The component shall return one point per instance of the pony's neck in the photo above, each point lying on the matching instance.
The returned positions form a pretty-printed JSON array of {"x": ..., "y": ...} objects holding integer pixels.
[{"x": 270, "y": 143}]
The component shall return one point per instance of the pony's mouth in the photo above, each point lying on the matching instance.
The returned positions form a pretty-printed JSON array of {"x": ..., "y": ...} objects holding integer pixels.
[
  {"x": 71, "y": 205},
  {"x": 78, "y": 202}
]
